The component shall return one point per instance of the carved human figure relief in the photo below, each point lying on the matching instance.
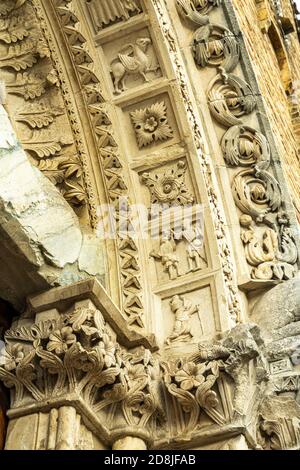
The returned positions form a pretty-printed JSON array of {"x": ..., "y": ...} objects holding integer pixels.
[
  {"x": 169, "y": 187},
  {"x": 195, "y": 250},
  {"x": 183, "y": 310},
  {"x": 104, "y": 13},
  {"x": 132, "y": 59},
  {"x": 151, "y": 124},
  {"x": 167, "y": 255}
]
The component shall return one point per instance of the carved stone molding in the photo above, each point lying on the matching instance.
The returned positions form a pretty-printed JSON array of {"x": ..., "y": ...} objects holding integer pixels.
[
  {"x": 229, "y": 99},
  {"x": 216, "y": 46},
  {"x": 169, "y": 187},
  {"x": 30, "y": 75},
  {"x": 106, "y": 149}
]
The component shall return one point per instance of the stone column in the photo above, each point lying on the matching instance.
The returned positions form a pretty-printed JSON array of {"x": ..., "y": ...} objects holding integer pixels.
[
  {"x": 66, "y": 436},
  {"x": 129, "y": 443},
  {"x": 2, "y": 418}
]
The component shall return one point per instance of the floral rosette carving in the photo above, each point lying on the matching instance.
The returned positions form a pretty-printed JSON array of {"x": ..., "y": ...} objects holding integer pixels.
[
  {"x": 76, "y": 357},
  {"x": 192, "y": 386},
  {"x": 151, "y": 124},
  {"x": 169, "y": 187}
]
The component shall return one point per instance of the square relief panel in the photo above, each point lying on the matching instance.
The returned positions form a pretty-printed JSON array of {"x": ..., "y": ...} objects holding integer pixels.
[
  {"x": 187, "y": 318},
  {"x": 106, "y": 13},
  {"x": 131, "y": 60},
  {"x": 169, "y": 185},
  {"x": 151, "y": 125},
  {"x": 179, "y": 253}
]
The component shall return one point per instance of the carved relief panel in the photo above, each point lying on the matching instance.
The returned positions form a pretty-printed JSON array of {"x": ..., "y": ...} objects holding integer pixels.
[
  {"x": 131, "y": 59},
  {"x": 151, "y": 125},
  {"x": 105, "y": 13},
  {"x": 178, "y": 253},
  {"x": 36, "y": 103},
  {"x": 188, "y": 317}
]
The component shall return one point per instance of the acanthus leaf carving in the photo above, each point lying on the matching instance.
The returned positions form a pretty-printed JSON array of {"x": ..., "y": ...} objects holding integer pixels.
[
  {"x": 230, "y": 98},
  {"x": 216, "y": 46}
]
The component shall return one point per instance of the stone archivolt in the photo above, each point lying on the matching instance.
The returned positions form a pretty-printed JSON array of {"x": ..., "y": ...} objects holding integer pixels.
[
  {"x": 78, "y": 351},
  {"x": 30, "y": 74},
  {"x": 256, "y": 191}
]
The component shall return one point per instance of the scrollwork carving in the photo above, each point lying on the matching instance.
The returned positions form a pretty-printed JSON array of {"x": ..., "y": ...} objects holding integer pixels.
[
  {"x": 244, "y": 146},
  {"x": 216, "y": 46},
  {"x": 230, "y": 98},
  {"x": 274, "y": 256},
  {"x": 196, "y": 10}
]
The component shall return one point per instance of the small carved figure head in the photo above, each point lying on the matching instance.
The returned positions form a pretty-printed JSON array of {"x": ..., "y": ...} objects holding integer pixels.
[
  {"x": 246, "y": 220},
  {"x": 176, "y": 302},
  {"x": 166, "y": 235},
  {"x": 143, "y": 43}
]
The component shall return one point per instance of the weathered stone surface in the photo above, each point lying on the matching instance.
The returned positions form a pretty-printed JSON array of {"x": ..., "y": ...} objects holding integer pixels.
[
  {"x": 42, "y": 242},
  {"x": 278, "y": 315},
  {"x": 184, "y": 336}
]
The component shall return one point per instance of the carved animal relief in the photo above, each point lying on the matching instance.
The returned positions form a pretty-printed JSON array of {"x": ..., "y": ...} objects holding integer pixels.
[{"x": 133, "y": 59}]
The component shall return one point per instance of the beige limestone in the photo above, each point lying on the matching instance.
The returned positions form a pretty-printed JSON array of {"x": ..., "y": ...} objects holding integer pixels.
[{"x": 137, "y": 343}]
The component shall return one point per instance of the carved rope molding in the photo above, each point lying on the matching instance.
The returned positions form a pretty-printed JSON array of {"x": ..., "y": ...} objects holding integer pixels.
[{"x": 272, "y": 253}]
